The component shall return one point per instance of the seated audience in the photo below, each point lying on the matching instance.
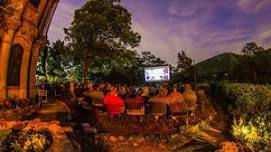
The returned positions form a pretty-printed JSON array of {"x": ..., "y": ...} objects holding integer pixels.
[
  {"x": 146, "y": 99},
  {"x": 133, "y": 101},
  {"x": 97, "y": 96},
  {"x": 159, "y": 103},
  {"x": 122, "y": 92},
  {"x": 190, "y": 97},
  {"x": 176, "y": 102},
  {"x": 113, "y": 103}
]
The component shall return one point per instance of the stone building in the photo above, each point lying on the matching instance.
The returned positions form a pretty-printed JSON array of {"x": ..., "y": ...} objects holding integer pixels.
[{"x": 23, "y": 32}]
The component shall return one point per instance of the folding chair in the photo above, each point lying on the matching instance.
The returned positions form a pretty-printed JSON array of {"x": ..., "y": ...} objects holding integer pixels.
[
  {"x": 56, "y": 94},
  {"x": 42, "y": 94},
  {"x": 158, "y": 110}
]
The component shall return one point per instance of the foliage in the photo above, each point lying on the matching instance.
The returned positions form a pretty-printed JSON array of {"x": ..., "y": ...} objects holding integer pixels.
[
  {"x": 244, "y": 98},
  {"x": 99, "y": 28},
  {"x": 184, "y": 62},
  {"x": 27, "y": 140},
  {"x": 184, "y": 71},
  {"x": 54, "y": 62},
  {"x": 250, "y": 105},
  {"x": 251, "y": 49},
  {"x": 149, "y": 60},
  {"x": 249, "y": 63},
  {"x": 16, "y": 103},
  {"x": 255, "y": 132},
  {"x": 121, "y": 67}
]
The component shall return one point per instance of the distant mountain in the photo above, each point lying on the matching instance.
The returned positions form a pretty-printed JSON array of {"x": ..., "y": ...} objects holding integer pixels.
[{"x": 218, "y": 65}]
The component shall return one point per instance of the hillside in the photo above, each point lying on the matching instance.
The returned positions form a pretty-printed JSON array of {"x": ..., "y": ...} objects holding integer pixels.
[{"x": 220, "y": 64}]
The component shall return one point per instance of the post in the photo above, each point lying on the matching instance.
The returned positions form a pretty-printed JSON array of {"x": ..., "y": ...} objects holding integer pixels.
[{"x": 194, "y": 73}]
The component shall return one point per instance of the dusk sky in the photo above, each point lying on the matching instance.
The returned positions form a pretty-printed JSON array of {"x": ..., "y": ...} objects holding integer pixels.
[{"x": 203, "y": 28}]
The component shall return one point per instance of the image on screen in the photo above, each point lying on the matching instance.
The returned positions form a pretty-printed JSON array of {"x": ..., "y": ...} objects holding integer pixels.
[{"x": 153, "y": 74}]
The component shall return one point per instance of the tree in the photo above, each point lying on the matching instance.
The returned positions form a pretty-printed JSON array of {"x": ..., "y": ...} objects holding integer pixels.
[
  {"x": 53, "y": 62},
  {"x": 263, "y": 64},
  {"x": 149, "y": 60},
  {"x": 100, "y": 28},
  {"x": 249, "y": 51},
  {"x": 184, "y": 62},
  {"x": 121, "y": 67},
  {"x": 184, "y": 71}
]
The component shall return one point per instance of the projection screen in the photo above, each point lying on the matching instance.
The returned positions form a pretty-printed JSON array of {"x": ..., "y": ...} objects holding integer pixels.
[{"x": 154, "y": 74}]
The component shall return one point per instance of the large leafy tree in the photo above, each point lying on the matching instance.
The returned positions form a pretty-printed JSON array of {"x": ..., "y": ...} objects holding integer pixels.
[
  {"x": 99, "y": 29},
  {"x": 149, "y": 60},
  {"x": 184, "y": 62},
  {"x": 53, "y": 62},
  {"x": 184, "y": 71},
  {"x": 122, "y": 66},
  {"x": 250, "y": 50}
]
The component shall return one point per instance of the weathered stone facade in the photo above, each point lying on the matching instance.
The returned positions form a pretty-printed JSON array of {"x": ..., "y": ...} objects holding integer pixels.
[{"x": 23, "y": 23}]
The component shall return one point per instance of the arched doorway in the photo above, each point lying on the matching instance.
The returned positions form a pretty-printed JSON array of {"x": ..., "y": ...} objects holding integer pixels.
[
  {"x": 21, "y": 42},
  {"x": 14, "y": 65}
]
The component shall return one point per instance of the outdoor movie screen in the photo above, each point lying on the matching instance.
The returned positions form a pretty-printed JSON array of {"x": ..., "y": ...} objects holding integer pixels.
[{"x": 154, "y": 74}]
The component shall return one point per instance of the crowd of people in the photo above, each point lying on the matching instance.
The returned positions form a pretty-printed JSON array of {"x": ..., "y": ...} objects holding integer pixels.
[{"x": 117, "y": 99}]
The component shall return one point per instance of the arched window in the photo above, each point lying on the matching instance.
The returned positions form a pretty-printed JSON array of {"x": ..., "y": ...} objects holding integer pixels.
[
  {"x": 35, "y": 3},
  {"x": 14, "y": 65}
]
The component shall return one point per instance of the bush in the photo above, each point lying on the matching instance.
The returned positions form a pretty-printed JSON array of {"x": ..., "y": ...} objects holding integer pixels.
[
  {"x": 27, "y": 140},
  {"x": 255, "y": 131},
  {"x": 250, "y": 105},
  {"x": 16, "y": 103},
  {"x": 243, "y": 98}
]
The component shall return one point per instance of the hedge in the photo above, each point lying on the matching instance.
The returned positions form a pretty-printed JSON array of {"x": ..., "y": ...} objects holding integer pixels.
[
  {"x": 242, "y": 98},
  {"x": 250, "y": 104}
]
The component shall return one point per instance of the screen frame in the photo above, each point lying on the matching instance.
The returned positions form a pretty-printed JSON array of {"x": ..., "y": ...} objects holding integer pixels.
[{"x": 157, "y": 67}]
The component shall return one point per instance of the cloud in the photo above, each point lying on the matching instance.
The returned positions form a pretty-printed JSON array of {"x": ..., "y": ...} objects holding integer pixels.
[
  {"x": 62, "y": 19},
  {"x": 156, "y": 42},
  {"x": 203, "y": 28},
  {"x": 252, "y": 6},
  {"x": 263, "y": 36},
  {"x": 188, "y": 9}
]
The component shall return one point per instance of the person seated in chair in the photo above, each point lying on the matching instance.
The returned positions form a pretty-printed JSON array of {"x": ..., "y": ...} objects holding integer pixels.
[
  {"x": 176, "y": 102},
  {"x": 97, "y": 96},
  {"x": 134, "y": 103},
  {"x": 113, "y": 103},
  {"x": 159, "y": 103},
  {"x": 190, "y": 97},
  {"x": 145, "y": 95}
]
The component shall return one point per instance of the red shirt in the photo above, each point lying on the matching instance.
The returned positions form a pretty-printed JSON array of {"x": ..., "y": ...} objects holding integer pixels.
[
  {"x": 114, "y": 104},
  {"x": 134, "y": 103}
]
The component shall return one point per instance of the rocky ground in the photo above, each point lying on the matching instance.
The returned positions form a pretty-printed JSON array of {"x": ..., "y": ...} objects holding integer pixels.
[{"x": 86, "y": 129}]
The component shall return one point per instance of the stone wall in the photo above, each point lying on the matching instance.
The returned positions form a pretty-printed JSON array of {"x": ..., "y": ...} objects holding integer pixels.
[{"x": 24, "y": 24}]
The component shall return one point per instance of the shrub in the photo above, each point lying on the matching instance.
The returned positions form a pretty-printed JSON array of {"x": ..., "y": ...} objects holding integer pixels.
[
  {"x": 27, "y": 140},
  {"x": 250, "y": 105},
  {"x": 243, "y": 98},
  {"x": 12, "y": 103},
  {"x": 255, "y": 132}
]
